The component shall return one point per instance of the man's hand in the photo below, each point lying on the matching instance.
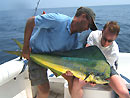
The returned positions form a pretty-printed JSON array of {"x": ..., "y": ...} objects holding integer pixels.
[
  {"x": 68, "y": 75},
  {"x": 87, "y": 45},
  {"x": 92, "y": 84},
  {"x": 26, "y": 53}
]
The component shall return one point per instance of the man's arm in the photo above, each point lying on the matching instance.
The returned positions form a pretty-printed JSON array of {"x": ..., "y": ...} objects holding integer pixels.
[
  {"x": 27, "y": 35},
  {"x": 90, "y": 39}
]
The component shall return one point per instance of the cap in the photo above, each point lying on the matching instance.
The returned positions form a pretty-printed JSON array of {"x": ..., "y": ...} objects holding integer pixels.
[{"x": 91, "y": 14}]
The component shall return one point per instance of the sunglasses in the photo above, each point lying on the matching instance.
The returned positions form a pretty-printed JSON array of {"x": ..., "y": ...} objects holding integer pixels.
[{"x": 106, "y": 39}]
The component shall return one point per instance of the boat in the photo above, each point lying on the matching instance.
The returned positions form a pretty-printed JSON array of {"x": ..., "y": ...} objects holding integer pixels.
[{"x": 15, "y": 83}]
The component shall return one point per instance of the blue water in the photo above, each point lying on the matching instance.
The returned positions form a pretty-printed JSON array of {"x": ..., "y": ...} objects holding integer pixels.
[{"x": 12, "y": 25}]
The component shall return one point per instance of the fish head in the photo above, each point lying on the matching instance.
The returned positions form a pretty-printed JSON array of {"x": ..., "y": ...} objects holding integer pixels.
[{"x": 96, "y": 79}]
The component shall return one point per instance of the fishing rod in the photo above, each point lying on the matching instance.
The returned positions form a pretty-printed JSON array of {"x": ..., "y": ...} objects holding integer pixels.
[{"x": 36, "y": 7}]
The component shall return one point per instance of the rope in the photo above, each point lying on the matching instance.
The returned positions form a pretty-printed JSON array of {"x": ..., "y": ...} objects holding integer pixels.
[{"x": 36, "y": 7}]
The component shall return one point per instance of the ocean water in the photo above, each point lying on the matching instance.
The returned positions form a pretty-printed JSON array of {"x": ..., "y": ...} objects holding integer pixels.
[{"x": 12, "y": 24}]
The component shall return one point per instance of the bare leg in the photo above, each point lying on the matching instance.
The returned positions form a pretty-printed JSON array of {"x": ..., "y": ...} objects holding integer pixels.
[
  {"x": 43, "y": 90},
  {"x": 118, "y": 85}
]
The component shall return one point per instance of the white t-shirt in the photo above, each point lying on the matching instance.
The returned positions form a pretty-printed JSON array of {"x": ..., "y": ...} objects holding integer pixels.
[{"x": 110, "y": 52}]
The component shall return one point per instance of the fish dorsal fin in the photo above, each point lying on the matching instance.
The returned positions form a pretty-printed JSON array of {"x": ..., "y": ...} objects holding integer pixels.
[{"x": 91, "y": 52}]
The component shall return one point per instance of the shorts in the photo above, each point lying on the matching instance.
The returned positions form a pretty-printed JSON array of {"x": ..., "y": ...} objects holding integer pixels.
[
  {"x": 37, "y": 74},
  {"x": 113, "y": 72}
]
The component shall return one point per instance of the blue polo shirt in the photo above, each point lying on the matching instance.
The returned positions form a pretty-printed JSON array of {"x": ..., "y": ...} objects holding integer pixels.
[{"x": 53, "y": 34}]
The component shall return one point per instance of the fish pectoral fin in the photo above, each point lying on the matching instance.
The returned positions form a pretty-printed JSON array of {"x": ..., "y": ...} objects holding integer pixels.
[{"x": 90, "y": 78}]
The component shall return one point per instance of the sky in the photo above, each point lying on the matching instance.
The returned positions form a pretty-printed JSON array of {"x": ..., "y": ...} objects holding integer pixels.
[{"x": 31, "y": 4}]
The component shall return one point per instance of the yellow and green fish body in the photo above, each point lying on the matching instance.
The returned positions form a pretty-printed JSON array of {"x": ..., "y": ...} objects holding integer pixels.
[{"x": 88, "y": 64}]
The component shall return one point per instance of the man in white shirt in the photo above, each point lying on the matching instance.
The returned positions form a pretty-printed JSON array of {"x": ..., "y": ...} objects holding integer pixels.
[{"x": 105, "y": 41}]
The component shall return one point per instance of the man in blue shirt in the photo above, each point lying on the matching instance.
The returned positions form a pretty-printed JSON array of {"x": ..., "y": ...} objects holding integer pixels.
[{"x": 55, "y": 32}]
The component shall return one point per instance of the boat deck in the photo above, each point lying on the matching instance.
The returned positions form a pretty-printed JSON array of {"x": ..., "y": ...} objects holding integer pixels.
[{"x": 52, "y": 95}]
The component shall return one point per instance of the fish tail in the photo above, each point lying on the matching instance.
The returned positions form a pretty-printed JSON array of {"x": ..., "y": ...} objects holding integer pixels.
[
  {"x": 18, "y": 43},
  {"x": 18, "y": 53}
]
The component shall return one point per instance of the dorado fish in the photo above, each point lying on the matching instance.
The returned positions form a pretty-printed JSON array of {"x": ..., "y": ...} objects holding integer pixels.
[{"x": 88, "y": 63}]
